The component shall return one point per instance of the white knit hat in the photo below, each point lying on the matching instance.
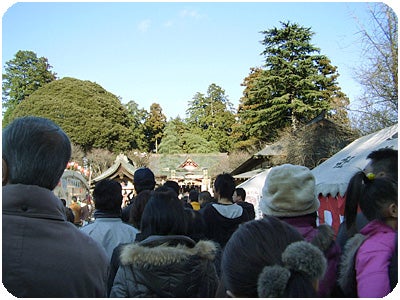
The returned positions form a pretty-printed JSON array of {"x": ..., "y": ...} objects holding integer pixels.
[{"x": 289, "y": 191}]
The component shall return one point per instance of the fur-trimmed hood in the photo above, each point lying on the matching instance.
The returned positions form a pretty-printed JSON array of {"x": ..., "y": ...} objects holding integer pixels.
[
  {"x": 347, "y": 272},
  {"x": 139, "y": 254},
  {"x": 167, "y": 266},
  {"x": 323, "y": 239}
]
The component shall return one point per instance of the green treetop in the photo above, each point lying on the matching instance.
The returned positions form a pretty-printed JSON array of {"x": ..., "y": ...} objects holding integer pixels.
[{"x": 296, "y": 85}]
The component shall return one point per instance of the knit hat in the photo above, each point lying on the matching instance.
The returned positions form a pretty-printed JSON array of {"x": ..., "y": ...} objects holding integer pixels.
[
  {"x": 143, "y": 179},
  {"x": 289, "y": 191}
]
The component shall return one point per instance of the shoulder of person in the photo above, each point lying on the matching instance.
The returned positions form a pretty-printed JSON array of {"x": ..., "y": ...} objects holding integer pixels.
[{"x": 324, "y": 237}]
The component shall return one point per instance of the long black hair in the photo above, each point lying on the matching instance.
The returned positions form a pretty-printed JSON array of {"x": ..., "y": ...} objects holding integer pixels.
[
  {"x": 163, "y": 214},
  {"x": 371, "y": 195}
]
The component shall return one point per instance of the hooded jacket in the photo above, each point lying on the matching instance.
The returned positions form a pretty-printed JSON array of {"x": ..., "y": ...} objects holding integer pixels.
[
  {"x": 166, "y": 266},
  {"x": 364, "y": 268},
  {"x": 222, "y": 220},
  {"x": 43, "y": 254}
]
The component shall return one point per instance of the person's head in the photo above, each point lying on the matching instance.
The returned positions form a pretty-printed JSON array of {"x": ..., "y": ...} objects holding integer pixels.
[
  {"x": 205, "y": 197},
  {"x": 138, "y": 205},
  {"x": 163, "y": 214},
  {"x": 239, "y": 195},
  {"x": 193, "y": 196},
  {"x": 74, "y": 199},
  {"x": 172, "y": 185},
  {"x": 35, "y": 152},
  {"x": 376, "y": 197},
  {"x": 196, "y": 226},
  {"x": 269, "y": 258},
  {"x": 107, "y": 196},
  {"x": 289, "y": 191},
  {"x": 224, "y": 186},
  {"x": 143, "y": 179},
  {"x": 383, "y": 163}
]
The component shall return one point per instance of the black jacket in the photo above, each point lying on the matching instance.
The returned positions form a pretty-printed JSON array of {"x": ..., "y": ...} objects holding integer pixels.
[{"x": 166, "y": 266}]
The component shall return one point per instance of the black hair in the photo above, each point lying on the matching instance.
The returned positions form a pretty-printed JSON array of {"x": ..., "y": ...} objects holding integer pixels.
[
  {"x": 107, "y": 195},
  {"x": 196, "y": 227},
  {"x": 371, "y": 194},
  {"x": 36, "y": 152},
  {"x": 138, "y": 205},
  {"x": 205, "y": 197},
  {"x": 386, "y": 160},
  {"x": 241, "y": 192},
  {"x": 173, "y": 185},
  {"x": 224, "y": 184},
  {"x": 163, "y": 214},
  {"x": 194, "y": 195},
  {"x": 255, "y": 245}
]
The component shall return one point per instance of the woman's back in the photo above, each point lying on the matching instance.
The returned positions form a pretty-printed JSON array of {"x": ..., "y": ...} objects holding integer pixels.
[{"x": 175, "y": 268}]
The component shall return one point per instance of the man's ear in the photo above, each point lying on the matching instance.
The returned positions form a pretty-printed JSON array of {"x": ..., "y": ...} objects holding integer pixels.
[
  {"x": 393, "y": 210},
  {"x": 4, "y": 172}
]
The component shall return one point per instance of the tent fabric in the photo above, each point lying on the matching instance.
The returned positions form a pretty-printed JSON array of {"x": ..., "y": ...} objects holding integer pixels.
[
  {"x": 253, "y": 188},
  {"x": 334, "y": 174},
  {"x": 331, "y": 210}
]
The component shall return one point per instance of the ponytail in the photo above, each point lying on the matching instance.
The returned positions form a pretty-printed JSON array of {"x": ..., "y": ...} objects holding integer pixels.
[{"x": 353, "y": 196}]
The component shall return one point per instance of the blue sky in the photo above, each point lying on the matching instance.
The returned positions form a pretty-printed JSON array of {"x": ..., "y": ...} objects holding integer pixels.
[{"x": 166, "y": 52}]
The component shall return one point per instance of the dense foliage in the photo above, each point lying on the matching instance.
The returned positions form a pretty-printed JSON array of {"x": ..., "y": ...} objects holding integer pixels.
[
  {"x": 91, "y": 116},
  {"x": 295, "y": 85},
  {"x": 23, "y": 75}
]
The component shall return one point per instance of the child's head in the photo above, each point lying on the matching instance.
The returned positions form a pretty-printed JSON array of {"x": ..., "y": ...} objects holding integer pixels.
[
  {"x": 377, "y": 198},
  {"x": 269, "y": 258}
]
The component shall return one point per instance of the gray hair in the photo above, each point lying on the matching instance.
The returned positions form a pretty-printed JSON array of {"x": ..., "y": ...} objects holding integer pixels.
[{"x": 36, "y": 151}]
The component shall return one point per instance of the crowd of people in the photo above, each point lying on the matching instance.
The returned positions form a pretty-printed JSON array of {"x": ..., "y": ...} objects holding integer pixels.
[{"x": 205, "y": 245}]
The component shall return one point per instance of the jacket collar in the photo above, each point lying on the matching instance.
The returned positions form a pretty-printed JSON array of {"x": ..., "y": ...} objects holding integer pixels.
[
  {"x": 151, "y": 252},
  {"x": 31, "y": 201}
]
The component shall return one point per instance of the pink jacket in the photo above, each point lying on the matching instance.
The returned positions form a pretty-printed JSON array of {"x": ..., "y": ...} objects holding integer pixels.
[{"x": 373, "y": 259}]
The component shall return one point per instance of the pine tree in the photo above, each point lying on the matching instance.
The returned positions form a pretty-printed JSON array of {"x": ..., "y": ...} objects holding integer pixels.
[
  {"x": 295, "y": 85},
  {"x": 23, "y": 75},
  {"x": 211, "y": 116}
]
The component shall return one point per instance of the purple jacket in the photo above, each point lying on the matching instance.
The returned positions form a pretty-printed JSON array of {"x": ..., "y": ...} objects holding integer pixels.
[
  {"x": 323, "y": 237},
  {"x": 373, "y": 259}
]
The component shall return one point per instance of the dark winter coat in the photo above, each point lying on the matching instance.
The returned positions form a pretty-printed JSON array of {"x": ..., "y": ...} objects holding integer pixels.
[
  {"x": 43, "y": 254},
  {"x": 166, "y": 266}
]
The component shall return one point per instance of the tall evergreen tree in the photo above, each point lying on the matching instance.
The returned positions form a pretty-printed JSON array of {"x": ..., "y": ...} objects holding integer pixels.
[
  {"x": 137, "y": 118},
  {"x": 212, "y": 113},
  {"x": 154, "y": 126},
  {"x": 295, "y": 85},
  {"x": 170, "y": 143},
  {"x": 23, "y": 75}
]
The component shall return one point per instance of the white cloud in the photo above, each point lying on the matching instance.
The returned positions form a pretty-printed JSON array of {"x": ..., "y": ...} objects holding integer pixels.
[
  {"x": 190, "y": 13},
  {"x": 144, "y": 25},
  {"x": 168, "y": 23}
]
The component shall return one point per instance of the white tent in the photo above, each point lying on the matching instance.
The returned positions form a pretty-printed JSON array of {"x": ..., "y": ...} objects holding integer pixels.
[
  {"x": 253, "y": 187},
  {"x": 333, "y": 175}
]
